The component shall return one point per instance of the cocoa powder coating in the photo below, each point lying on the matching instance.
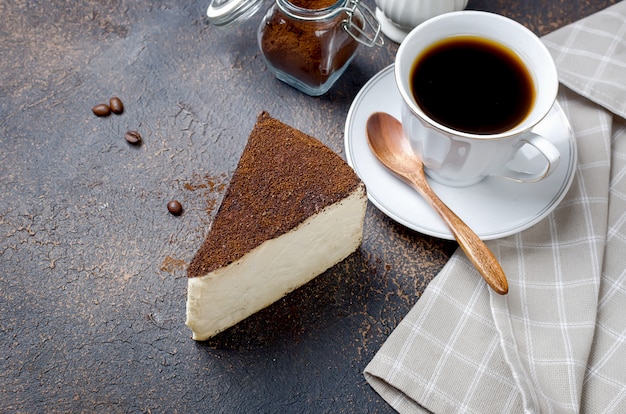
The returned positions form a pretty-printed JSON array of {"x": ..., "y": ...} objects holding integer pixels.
[{"x": 283, "y": 177}]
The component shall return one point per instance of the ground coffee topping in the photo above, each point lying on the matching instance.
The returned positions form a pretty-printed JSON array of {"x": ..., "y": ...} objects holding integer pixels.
[{"x": 283, "y": 177}]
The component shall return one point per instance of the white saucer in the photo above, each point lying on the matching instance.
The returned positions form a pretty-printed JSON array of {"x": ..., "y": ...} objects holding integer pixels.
[{"x": 493, "y": 208}]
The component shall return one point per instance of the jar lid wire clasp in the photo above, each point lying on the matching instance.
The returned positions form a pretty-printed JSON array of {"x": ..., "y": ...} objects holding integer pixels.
[{"x": 371, "y": 34}]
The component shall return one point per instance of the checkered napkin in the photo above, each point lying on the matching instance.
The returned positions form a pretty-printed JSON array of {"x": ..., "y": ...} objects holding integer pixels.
[{"x": 557, "y": 342}]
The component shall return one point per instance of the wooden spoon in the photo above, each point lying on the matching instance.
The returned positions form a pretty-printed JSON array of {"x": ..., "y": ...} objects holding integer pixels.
[{"x": 387, "y": 141}]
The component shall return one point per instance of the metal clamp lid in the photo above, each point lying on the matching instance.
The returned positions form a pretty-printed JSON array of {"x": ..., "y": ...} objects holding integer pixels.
[
  {"x": 370, "y": 24},
  {"x": 227, "y": 13}
]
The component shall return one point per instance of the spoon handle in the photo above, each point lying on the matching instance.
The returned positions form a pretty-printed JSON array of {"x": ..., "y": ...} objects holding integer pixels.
[{"x": 476, "y": 250}]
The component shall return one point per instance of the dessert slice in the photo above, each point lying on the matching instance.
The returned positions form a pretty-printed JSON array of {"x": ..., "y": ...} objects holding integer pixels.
[{"x": 292, "y": 210}]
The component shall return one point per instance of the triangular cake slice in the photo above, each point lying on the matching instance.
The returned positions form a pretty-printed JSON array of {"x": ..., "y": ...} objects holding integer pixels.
[{"x": 292, "y": 210}]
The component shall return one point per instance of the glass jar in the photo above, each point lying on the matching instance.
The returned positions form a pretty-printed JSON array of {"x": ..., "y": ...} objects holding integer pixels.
[
  {"x": 310, "y": 49},
  {"x": 307, "y": 44}
]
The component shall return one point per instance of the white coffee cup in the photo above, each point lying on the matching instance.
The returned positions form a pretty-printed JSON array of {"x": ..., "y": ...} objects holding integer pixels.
[{"x": 457, "y": 158}]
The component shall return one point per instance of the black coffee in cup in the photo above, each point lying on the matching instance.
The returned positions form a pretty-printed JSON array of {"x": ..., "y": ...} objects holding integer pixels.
[{"x": 472, "y": 84}]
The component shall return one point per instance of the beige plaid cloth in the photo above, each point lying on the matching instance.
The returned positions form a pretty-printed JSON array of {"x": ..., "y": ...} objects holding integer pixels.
[{"x": 557, "y": 342}]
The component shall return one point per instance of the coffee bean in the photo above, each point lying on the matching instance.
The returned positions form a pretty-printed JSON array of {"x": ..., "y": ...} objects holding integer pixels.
[
  {"x": 133, "y": 137},
  {"x": 101, "y": 110},
  {"x": 117, "y": 107},
  {"x": 175, "y": 207}
]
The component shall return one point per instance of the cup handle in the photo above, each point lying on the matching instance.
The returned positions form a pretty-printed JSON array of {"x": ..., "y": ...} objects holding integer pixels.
[{"x": 544, "y": 148}]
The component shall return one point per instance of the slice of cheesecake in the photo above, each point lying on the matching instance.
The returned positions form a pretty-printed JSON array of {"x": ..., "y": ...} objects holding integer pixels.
[{"x": 292, "y": 210}]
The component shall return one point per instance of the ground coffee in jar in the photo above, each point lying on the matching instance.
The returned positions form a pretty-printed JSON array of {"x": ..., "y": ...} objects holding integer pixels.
[{"x": 308, "y": 44}]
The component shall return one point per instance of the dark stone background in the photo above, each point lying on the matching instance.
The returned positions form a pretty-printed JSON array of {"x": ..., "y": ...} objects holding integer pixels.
[{"x": 92, "y": 266}]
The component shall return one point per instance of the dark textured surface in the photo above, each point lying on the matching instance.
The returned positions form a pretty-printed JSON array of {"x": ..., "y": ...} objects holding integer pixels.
[{"x": 92, "y": 265}]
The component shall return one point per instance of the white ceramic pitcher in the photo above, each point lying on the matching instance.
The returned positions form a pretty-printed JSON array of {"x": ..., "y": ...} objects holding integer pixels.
[{"x": 398, "y": 17}]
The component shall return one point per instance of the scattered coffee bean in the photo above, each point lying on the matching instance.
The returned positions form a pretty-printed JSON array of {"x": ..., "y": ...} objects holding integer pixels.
[
  {"x": 133, "y": 137},
  {"x": 175, "y": 207},
  {"x": 101, "y": 110},
  {"x": 117, "y": 107}
]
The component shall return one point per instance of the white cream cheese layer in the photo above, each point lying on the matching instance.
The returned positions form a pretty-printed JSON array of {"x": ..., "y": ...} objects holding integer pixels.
[{"x": 230, "y": 294}]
